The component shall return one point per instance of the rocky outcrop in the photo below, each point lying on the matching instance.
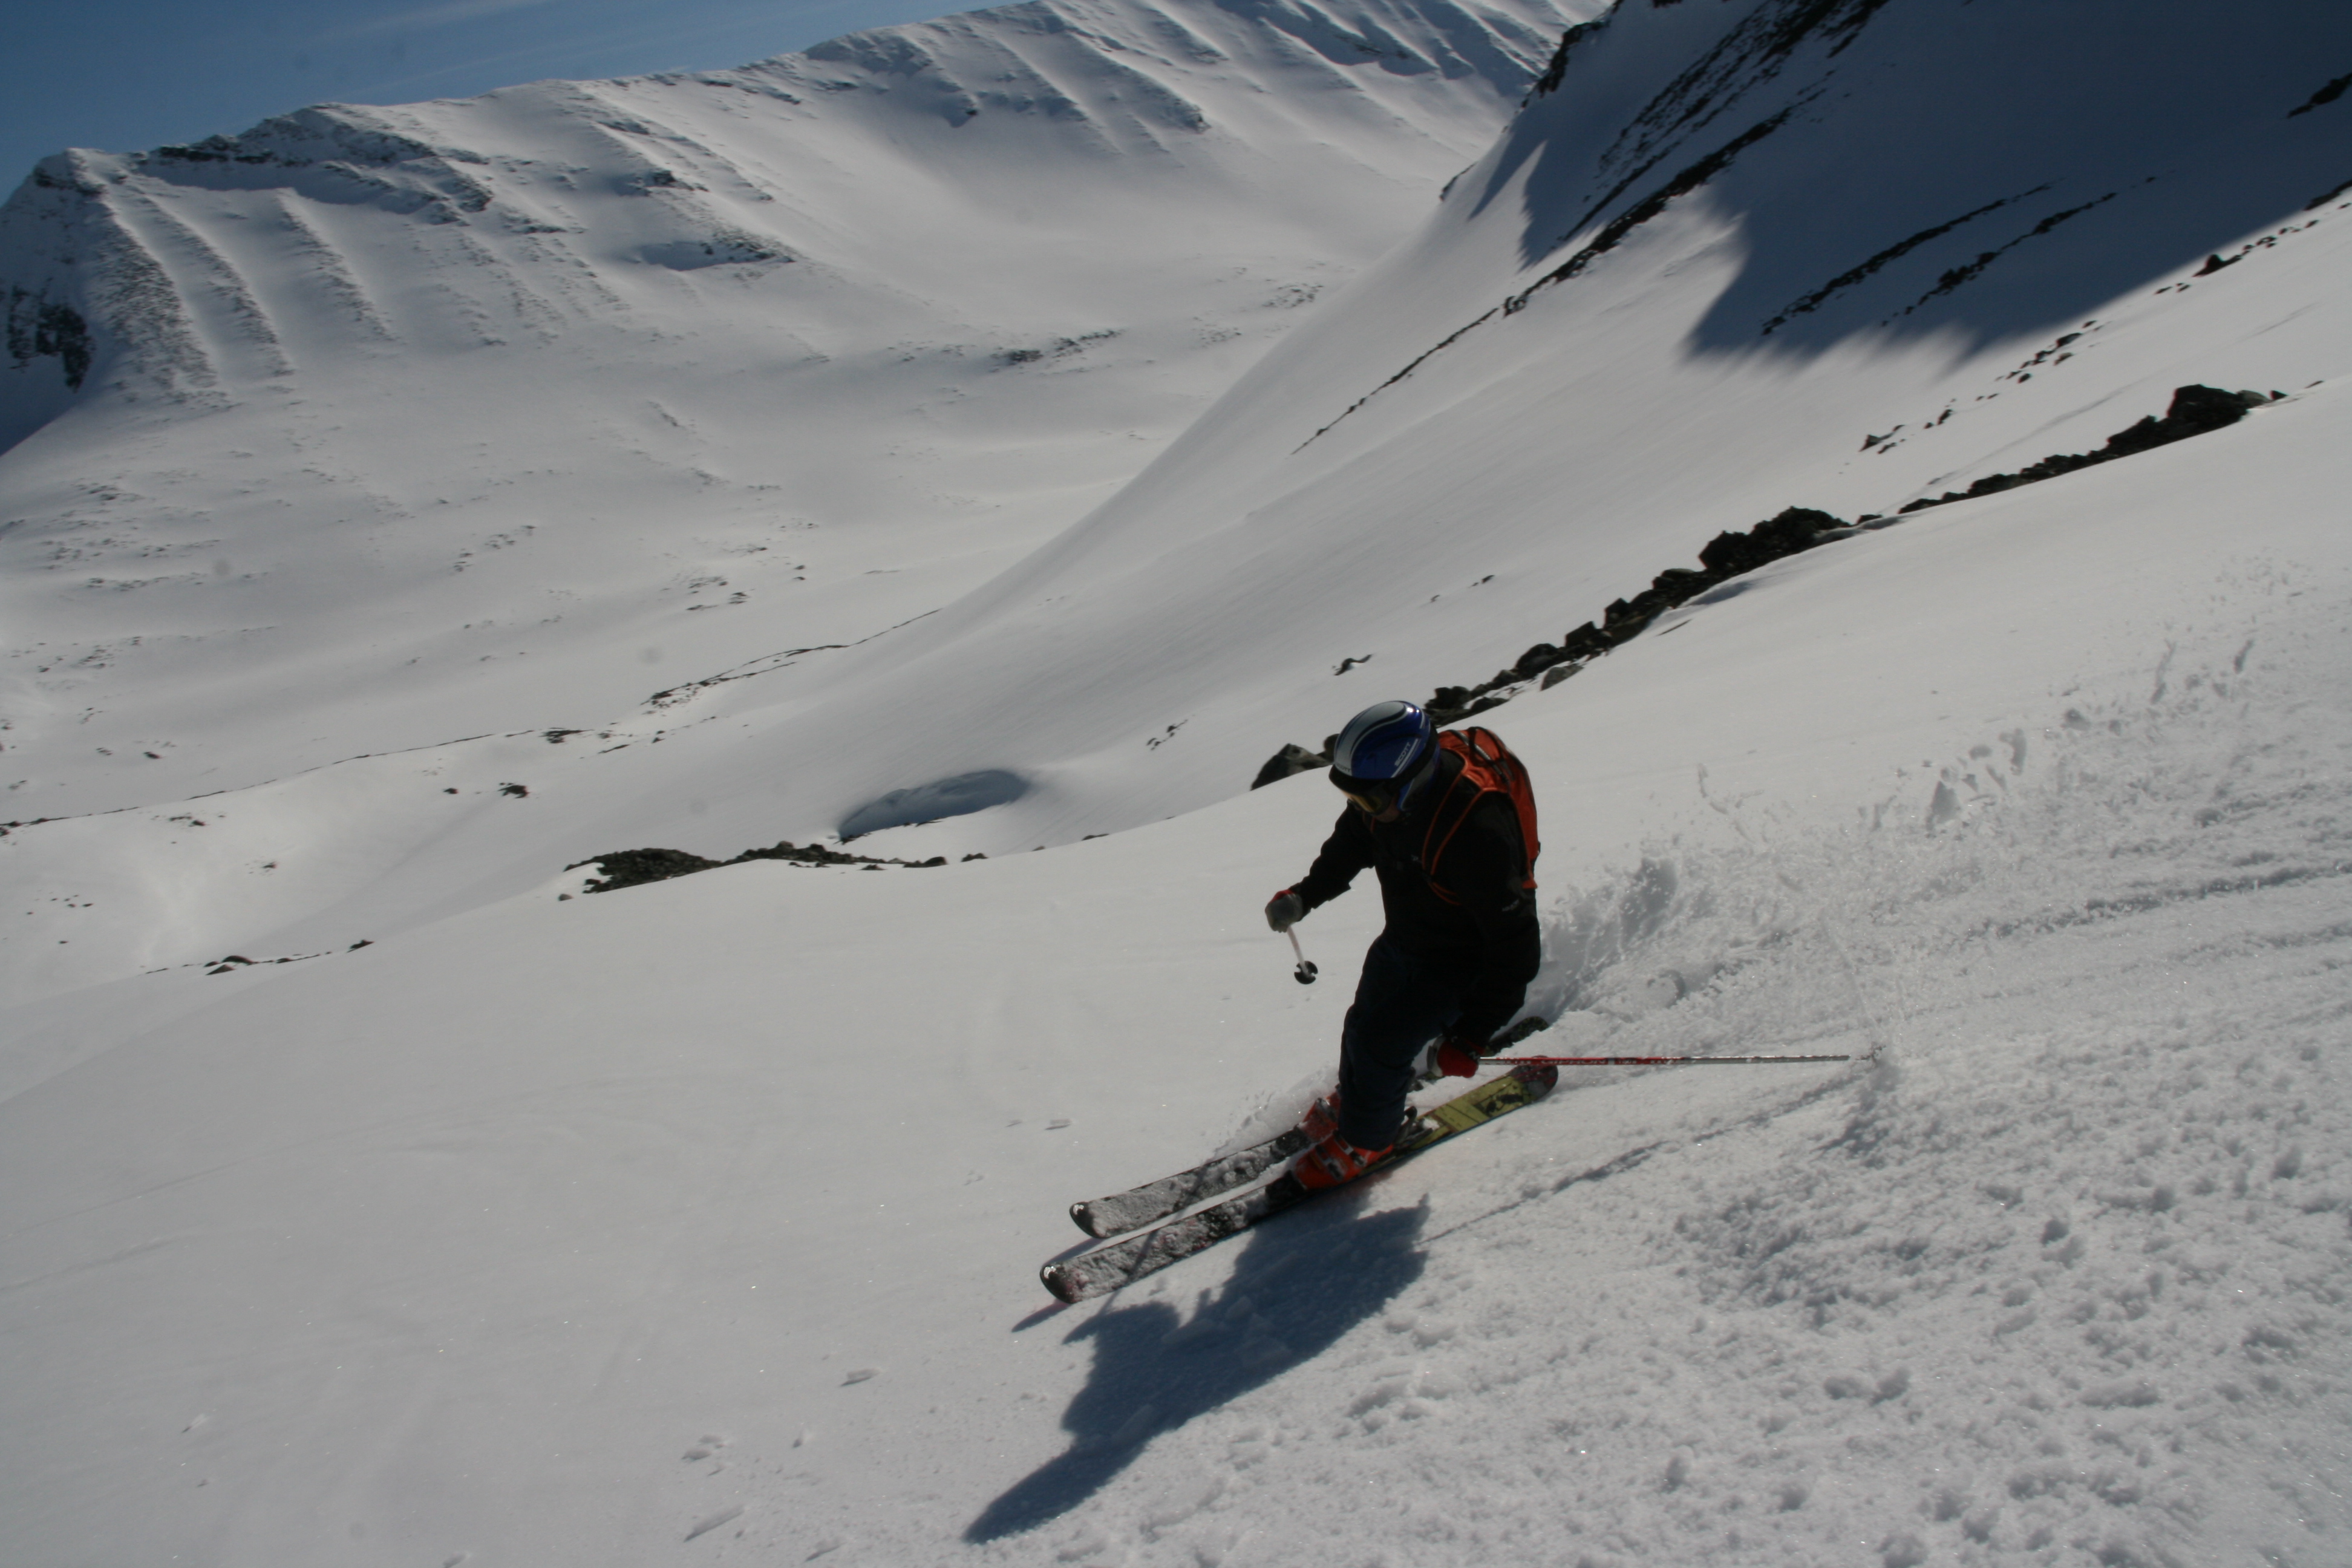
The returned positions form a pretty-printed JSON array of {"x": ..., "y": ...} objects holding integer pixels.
[
  {"x": 630, "y": 867},
  {"x": 2195, "y": 410},
  {"x": 1291, "y": 759},
  {"x": 1729, "y": 554}
]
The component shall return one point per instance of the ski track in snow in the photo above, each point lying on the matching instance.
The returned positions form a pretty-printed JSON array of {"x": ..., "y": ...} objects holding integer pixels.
[{"x": 2061, "y": 1271}]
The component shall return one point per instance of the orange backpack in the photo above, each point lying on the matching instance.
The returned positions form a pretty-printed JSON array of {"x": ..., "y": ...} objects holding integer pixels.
[{"x": 1487, "y": 765}]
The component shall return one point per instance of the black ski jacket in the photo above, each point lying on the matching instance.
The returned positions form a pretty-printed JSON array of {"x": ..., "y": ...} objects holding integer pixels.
[{"x": 1491, "y": 930}]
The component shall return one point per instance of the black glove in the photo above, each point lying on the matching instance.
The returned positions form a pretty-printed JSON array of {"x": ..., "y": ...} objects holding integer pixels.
[{"x": 1285, "y": 909}]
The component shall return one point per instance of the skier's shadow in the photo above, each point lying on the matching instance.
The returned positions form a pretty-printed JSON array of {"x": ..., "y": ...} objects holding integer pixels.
[{"x": 1298, "y": 1286}]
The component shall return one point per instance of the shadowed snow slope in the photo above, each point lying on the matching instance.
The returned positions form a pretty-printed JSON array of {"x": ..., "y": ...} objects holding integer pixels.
[{"x": 329, "y": 437}]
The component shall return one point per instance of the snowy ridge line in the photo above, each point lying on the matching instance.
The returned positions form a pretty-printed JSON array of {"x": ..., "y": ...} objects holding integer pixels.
[
  {"x": 1426, "y": 355},
  {"x": 1692, "y": 178},
  {"x": 1620, "y": 228},
  {"x": 1014, "y": 61},
  {"x": 1760, "y": 44}
]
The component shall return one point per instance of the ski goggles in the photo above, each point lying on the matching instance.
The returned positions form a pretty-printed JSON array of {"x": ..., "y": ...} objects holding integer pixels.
[{"x": 1371, "y": 797}]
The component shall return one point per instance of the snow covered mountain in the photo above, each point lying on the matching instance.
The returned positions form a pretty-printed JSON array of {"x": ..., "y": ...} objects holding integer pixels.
[
  {"x": 699, "y": 1218},
  {"x": 1664, "y": 268},
  {"x": 1599, "y": 272},
  {"x": 650, "y": 377}
]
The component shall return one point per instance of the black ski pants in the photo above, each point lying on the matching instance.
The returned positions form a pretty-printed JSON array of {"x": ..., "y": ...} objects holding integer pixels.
[{"x": 1403, "y": 1000}]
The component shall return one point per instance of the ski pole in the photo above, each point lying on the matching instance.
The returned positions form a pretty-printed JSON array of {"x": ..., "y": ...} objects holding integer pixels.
[
  {"x": 1305, "y": 973},
  {"x": 1650, "y": 1061}
]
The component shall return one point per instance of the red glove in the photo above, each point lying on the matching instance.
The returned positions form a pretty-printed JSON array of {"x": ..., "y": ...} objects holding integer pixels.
[{"x": 1458, "y": 1056}]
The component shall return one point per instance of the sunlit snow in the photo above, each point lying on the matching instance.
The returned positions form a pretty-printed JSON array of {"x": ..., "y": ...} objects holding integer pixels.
[{"x": 700, "y": 1220}]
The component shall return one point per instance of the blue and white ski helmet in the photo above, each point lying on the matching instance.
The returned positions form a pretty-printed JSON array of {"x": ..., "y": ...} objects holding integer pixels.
[{"x": 1382, "y": 754}]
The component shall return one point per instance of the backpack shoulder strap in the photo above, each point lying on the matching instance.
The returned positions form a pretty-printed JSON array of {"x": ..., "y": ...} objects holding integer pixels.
[{"x": 1487, "y": 766}]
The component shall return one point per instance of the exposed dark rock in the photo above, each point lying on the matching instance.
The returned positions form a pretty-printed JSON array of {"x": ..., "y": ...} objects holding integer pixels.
[
  {"x": 2214, "y": 263},
  {"x": 1537, "y": 659},
  {"x": 1292, "y": 759},
  {"x": 1957, "y": 276},
  {"x": 1555, "y": 674},
  {"x": 1732, "y": 554},
  {"x": 629, "y": 867},
  {"x": 1895, "y": 252},
  {"x": 34, "y": 327},
  {"x": 1553, "y": 73},
  {"x": 2195, "y": 410},
  {"x": 1729, "y": 554},
  {"x": 1584, "y": 642},
  {"x": 2329, "y": 94},
  {"x": 2324, "y": 197}
]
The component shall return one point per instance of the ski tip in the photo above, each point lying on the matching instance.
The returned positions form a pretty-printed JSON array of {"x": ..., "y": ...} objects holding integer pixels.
[
  {"x": 1082, "y": 1214},
  {"x": 1064, "y": 1285},
  {"x": 1542, "y": 1080}
]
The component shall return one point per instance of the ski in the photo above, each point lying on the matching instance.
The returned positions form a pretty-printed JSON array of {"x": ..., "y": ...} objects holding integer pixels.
[
  {"x": 1139, "y": 1207},
  {"x": 1132, "y": 1258},
  {"x": 1121, "y": 1213}
]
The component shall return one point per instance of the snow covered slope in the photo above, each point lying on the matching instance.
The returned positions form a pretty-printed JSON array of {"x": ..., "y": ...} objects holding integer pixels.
[
  {"x": 330, "y": 438},
  {"x": 699, "y": 1220},
  {"x": 1662, "y": 306},
  {"x": 1655, "y": 310}
]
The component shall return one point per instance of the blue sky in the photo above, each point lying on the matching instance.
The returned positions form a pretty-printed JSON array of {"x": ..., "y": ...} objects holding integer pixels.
[{"x": 123, "y": 75}]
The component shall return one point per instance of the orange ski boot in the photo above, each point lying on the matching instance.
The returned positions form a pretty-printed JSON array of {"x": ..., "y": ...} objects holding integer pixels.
[
  {"x": 1322, "y": 1118},
  {"x": 1335, "y": 1161}
]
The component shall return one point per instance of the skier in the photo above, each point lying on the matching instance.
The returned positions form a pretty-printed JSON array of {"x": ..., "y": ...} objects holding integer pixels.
[{"x": 1448, "y": 823}]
